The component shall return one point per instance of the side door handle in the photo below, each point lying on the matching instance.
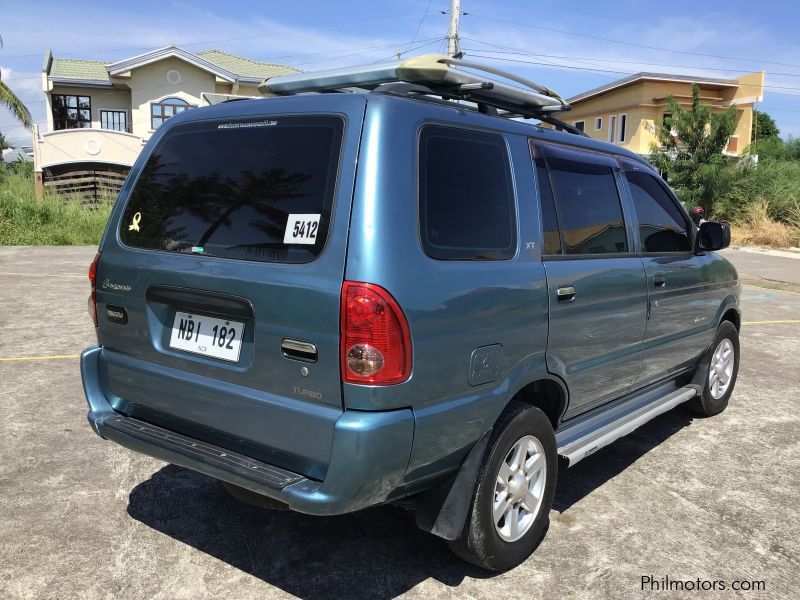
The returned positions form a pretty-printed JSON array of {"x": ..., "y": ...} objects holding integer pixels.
[
  {"x": 566, "y": 294},
  {"x": 659, "y": 280}
]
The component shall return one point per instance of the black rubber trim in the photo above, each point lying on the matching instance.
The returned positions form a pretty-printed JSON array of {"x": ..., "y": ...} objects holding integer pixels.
[
  {"x": 202, "y": 301},
  {"x": 233, "y": 462}
]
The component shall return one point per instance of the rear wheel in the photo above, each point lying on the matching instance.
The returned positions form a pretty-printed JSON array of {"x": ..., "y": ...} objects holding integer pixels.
[
  {"x": 721, "y": 375},
  {"x": 516, "y": 483}
]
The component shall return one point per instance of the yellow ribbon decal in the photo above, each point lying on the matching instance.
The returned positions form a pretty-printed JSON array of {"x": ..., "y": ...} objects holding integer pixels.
[{"x": 134, "y": 226}]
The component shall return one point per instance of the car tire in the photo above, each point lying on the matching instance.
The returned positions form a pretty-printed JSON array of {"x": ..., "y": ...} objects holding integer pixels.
[
  {"x": 503, "y": 543},
  {"x": 720, "y": 375}
]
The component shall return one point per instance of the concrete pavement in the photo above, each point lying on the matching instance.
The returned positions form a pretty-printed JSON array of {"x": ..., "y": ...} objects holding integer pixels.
[{"x": 80, "y": 517}]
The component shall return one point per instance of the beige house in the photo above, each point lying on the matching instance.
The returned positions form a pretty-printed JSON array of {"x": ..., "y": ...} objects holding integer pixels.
[
  {"x": 99, "y": 115},
  {"x": 628, "y": 111}
]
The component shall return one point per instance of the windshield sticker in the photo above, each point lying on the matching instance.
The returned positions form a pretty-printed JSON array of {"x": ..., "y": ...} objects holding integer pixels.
[
  {"x": 134, "y": 226},
  {"x": 243, "y": 124},
  {"x": 301, "y": 229}
]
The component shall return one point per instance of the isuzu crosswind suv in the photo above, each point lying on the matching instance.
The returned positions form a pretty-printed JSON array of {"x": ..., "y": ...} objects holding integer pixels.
[{"x": 340, "y": 299}]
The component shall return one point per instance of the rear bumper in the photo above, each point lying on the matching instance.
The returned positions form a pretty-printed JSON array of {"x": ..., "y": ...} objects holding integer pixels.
[{"x": 369, "y": 455}]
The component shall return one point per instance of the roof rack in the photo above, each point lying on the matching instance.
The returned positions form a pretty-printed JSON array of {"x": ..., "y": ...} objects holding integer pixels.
[{"x": 435, "y": 75}]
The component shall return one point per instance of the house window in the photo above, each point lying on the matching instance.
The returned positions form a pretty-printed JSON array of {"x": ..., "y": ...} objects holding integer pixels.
[
  {"x": 166, "y": 108},
  {"x": 114, "y": 119},
  {"x": 580, "y": 125},
  {"x": 612, "y": 127},
  {"x": 623, "y": 122},
  {"x": 598, "y": 123},
  {"x": 71, "y": 112}
]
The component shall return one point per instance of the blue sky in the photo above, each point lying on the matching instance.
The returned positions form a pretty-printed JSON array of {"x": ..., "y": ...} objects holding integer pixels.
[{"x": 575, "y": 45}]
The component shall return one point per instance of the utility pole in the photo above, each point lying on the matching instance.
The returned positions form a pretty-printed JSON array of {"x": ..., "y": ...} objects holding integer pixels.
[{"x": 453, "y": 47}]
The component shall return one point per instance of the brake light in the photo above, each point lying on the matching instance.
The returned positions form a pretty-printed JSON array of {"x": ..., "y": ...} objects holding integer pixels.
[
  {"x": 93, "y": 281},
  {"x": 376, "y": 343}
]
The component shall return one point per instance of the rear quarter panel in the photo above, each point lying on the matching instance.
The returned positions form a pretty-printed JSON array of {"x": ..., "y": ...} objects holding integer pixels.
[{"x": 453, "y": 307}]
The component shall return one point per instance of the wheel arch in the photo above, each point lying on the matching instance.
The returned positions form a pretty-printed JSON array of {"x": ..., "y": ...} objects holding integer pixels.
[{"x": 549, "y": 394}]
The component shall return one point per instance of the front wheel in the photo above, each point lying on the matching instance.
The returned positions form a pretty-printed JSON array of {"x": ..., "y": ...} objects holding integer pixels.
[
  {"x": 721, "y": 374},
  {"x": 516, "y": 484}
]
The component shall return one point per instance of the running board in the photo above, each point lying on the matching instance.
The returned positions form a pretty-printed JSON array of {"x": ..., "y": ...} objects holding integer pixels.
[{"x": 578, "y": 441}]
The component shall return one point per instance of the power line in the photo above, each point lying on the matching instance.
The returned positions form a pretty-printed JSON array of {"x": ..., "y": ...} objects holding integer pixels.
[
  {"x": 419, "y": 26},
  {"x": 614, "y": 71},
  {"x": 613, "y": 41},
  {"x": 608, "y": 60},
  {"x": 217, "y": 41}
]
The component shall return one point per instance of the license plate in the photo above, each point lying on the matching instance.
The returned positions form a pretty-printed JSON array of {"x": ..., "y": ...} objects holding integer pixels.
[{"x": 208, "y": 336}]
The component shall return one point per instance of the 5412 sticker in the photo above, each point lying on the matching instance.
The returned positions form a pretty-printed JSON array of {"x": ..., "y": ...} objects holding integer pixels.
[{"x": 301, "y": 229}]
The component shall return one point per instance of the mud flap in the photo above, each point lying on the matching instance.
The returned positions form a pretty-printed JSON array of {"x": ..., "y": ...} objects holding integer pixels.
[{"x": 443, "y": 510}]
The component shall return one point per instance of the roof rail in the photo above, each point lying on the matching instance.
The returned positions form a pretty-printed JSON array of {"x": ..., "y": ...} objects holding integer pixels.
[{"x": 433, "y": 75}]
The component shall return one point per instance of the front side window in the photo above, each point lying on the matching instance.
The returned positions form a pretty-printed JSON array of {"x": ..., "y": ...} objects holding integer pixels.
[
  {"x": 587, "y": 202},
  {"x": 116, "y": 120},
  {"x": 466, "y": 195},
  {"x": 71, "y": 112},
  {"x": 662, "y": 225},
  {"x": 164, "y": 109},
  {"x": 257, "y": 190}
]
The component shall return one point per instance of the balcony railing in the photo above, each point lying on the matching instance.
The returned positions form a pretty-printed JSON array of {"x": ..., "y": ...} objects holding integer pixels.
[{"x": 86, "y": 145}]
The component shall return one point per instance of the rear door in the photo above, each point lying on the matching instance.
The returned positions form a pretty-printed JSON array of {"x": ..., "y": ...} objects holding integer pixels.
[
  {"x": 596, "y": 283},
  {"x": 227, "y": 256},
  {"x": 683, "y": 297}
]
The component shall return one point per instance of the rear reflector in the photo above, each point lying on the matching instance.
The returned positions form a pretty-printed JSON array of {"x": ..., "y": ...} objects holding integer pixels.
[
  {"x": 93, "y": 281},
  {"x": 376, "y": 343}
]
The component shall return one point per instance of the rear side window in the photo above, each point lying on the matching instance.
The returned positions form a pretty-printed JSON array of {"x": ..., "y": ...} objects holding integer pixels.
[
  {"x": 255, "y": 190},
  {"x": 662, "y": 225},
  {"x": 587, "y": 202},
  {"x": 466, "y": 195}
]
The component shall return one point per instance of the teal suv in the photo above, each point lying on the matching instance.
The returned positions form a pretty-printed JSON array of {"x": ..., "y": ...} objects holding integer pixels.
[{"x": 340, "y": 299}]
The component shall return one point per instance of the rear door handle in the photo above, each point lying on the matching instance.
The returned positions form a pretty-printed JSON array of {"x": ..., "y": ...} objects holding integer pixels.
[
  {"x": 566, "y": 294},
  {"x": 659, "y": 280}
]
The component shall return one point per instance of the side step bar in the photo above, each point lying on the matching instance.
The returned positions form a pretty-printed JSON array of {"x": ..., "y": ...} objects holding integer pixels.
[{"x": 578, "y": 441}]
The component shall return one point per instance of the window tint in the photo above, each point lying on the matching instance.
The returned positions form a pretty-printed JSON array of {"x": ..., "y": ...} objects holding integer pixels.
[
  {"x": 466, "y": 195},
  {"x": 662, "y": 225},
  {"x": 588, "y": 204},
  {"x": 256, "y": 190},
  {"x": 552, "y": 237}
]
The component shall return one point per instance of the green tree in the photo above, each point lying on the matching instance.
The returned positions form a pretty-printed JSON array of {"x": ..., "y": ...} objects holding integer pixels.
[
  {"x": 692, "y": 159},
  {"x": 10, "y": 101},
  {"x": 764, "y": 127}
]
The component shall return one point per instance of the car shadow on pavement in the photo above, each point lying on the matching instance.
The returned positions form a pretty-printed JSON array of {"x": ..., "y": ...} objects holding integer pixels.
[
  {"x": 576, "y": 482},
  {"x": 375, "y": 553}
]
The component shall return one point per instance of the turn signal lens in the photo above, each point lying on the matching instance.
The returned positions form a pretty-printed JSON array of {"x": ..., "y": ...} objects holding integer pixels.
[
  {"x": 92, "y": 304},
  {"x": 375, "y": 342}
]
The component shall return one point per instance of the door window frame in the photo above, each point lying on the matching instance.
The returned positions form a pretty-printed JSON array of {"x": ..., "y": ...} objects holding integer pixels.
[
  {"x": 626, "y": 164},
  {"x": 537, "y": 148}
]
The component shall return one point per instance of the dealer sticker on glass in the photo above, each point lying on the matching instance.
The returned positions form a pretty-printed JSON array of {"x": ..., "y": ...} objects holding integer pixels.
[{"x": 301, "y": 229}]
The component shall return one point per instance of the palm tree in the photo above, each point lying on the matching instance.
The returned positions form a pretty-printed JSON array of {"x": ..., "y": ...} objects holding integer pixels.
[{"x": 9, "y": 100}]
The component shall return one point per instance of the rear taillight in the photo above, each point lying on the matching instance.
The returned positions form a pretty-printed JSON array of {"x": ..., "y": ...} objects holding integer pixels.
[
  {"x": 93, "y": 282},
  {"x": 376, "y": 343}
]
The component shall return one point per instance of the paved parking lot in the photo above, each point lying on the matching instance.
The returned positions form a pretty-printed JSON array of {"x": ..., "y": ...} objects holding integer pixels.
[{"x": 714, "y": 499}]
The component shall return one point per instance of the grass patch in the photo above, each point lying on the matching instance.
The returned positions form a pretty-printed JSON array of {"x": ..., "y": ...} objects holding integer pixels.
[
  {"x": 757, "y": 227},
  {"x": 52, "y": 220}
]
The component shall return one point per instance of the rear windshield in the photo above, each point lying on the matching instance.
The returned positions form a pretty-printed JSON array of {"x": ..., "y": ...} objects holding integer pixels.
[{"x": 254, "y": 190}]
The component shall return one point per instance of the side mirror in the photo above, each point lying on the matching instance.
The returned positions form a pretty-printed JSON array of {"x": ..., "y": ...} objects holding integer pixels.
[{"x": 713, "y": 235}]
